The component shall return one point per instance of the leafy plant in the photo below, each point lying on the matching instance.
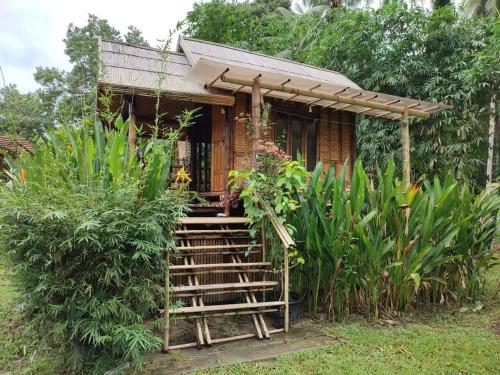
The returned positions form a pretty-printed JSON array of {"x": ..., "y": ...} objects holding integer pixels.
[
  {"x": 273, "y": 179},
  {"x": 375, "y": 245},
  {"x": 85, "y": 226}
]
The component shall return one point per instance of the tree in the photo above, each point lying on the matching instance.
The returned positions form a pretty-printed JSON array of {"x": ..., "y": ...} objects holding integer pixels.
[
  {"x": 485, "y": 74},
  {"x": 69, "y": 96},
  {"x": 249, "y": 25},
  {"x": 21, "y": 114},
  {"x": 81, "y": 48},
  {"x": 53, "y": 86},
  {"x": 488, "y": 8},
  {"x": 134, "y": 36}
]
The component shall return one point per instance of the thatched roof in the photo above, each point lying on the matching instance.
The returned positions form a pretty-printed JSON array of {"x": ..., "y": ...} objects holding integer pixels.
[
  {"x": 133, "y": 69},
  {"x": 15, "y": 144},
  {"x": 196, "y": 49},
  {"x": 207, "y": 72}
]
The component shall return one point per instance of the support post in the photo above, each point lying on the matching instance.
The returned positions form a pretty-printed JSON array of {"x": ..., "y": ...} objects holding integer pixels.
[
  {"x": 491, "y": 139},
  {"x": 132, "y": 131},
  {"x": 405, "y": 148},
  {"x": 166, "y": 331},
  {"x": 285, "y": 289},
  {"x": 255, "y": 116}
]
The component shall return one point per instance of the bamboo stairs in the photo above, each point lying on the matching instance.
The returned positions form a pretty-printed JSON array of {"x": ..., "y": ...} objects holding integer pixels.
[{"x": 219, "y": 270}]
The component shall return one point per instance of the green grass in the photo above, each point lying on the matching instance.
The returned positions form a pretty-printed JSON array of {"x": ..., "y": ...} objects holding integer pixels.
[
  {"x": 441, "y": 342},
  {"x": 21, "y": 351}
]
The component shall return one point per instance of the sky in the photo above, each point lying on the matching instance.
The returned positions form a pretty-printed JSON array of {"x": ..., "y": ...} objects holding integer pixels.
[{"x": 32, "y": 31}]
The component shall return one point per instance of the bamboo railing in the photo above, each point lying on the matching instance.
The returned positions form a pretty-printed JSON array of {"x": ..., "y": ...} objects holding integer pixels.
[{"x": 288, "y": 243}]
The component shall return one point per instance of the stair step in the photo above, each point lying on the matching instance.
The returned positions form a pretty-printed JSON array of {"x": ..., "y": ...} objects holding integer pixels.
[
  {"x": 214, "y": 247},
  {"x": 219, "y": 265},
  {"x": 228, "y": 252},
  {"x": 212, "y": 220},
  {"x": 230, "y": 307},
  {"x": 194, "y": 288},
  {"x": 213, "y": 231}
]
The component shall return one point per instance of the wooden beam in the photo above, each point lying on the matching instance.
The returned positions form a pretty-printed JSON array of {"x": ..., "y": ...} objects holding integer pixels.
[
  {"x": 218, "y": 76},
  {"x": 331, "y": 97}
]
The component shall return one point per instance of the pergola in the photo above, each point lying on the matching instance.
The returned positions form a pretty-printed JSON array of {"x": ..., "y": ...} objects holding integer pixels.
[{"x": 310, "y": 92}]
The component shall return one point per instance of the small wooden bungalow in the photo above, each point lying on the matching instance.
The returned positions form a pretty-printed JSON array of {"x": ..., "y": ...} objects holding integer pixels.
[
  {"x": 312, "y": 110},
  {"x": 219, "y": 270}
]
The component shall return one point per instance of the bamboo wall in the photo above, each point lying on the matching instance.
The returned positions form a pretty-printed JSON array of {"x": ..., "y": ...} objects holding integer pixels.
[{"x": 335, "y": 139}]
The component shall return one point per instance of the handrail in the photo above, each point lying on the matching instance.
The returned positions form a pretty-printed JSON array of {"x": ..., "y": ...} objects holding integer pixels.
[
  {"x": 288, "y": 243},
  {"x": 280, "y": 229}
]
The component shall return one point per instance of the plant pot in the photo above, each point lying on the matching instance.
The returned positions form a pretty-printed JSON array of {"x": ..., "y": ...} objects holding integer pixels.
[{"x": 278, "y": 317}]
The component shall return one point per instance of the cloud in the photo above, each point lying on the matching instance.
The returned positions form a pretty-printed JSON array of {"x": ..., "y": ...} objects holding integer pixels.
[{"x": 32, "y": 32}]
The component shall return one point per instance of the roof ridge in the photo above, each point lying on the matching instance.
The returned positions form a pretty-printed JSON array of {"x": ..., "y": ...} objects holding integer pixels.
[
  {"x": 264, "y": 55},
  {"x": 141, "y": 47}
]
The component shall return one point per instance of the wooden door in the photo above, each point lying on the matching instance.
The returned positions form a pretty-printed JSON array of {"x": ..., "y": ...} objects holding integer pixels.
[{"x": 218, "y": 167}]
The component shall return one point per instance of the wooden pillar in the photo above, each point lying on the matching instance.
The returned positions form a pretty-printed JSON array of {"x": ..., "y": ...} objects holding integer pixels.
[
  {"x": 132, "y": 131},
  {"x": 228, "y": 152},
  {"x": 405, "y": 148},
  {"x": 166, "y": 328},
  {"x": 255, "y": 116},
  {"x": 285, "y": 289}
]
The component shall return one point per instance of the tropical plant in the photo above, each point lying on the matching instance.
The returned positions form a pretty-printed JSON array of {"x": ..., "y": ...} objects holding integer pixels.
[
  {"x": 375, "y": 246},
  {"x": 85, "y": 226},
  {"x": 273, "y": 181}
]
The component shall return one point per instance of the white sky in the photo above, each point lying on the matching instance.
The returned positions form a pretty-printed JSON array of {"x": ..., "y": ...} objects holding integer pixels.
[{"x": 32, "y": 31}]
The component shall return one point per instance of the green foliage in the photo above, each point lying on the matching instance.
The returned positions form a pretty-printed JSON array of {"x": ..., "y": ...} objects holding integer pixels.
[
  {"x": 134, "y": 36},
  {"x": 248, "y": 25},
  {"x": 69, "y": 96},
  {"x": 407, "y": 52},
  {"x": 85, "y": 227},
  {"x": 273, "y": 180},
  {"x": 395, "y": 49},
  {"x": 21, "y": 114},
  {"x": 364, "y": 251}
]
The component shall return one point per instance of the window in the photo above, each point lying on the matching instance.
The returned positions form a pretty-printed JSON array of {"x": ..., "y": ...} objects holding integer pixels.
[
  {"x": 281, "y": 138},
  {"x": 295, "y": 134},
  {"x": 312, "y": 154}
]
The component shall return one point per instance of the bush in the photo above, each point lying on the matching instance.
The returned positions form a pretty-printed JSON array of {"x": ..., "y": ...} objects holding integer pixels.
[
  {"x": 85, "y": 227},
  {"x": 379, "y": 247}
]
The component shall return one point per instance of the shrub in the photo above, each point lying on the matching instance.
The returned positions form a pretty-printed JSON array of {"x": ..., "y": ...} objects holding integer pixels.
[
  {"x": 273, "y": 180},
  {"x": 372, "y": 247},
  {"x": 85, "y": 226}
]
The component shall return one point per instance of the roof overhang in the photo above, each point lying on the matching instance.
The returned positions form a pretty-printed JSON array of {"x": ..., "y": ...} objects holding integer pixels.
[
  {"x": 310, "y": 92},
  {"x": 214, "y": 99}
]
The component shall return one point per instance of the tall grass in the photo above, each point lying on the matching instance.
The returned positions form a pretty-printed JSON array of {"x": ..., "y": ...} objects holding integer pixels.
[{"x": 375, "y": 246}]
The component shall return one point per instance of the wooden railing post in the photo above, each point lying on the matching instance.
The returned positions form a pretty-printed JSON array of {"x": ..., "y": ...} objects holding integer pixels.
[
  {"x": 166, "y": 331},
  {"x": 285, "y": 288}
]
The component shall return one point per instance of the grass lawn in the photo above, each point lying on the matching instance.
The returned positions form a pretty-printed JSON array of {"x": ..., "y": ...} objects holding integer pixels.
[
  {"x": 20, "y": 351},
  {"x": 450, "y": 342}
]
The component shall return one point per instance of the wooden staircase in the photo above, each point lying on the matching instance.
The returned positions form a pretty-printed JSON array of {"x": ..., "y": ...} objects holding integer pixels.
[{"x": 218, "y": 271}]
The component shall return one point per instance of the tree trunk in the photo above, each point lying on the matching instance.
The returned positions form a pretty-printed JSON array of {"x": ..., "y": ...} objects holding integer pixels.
[{"x": 491, "y": 139}]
